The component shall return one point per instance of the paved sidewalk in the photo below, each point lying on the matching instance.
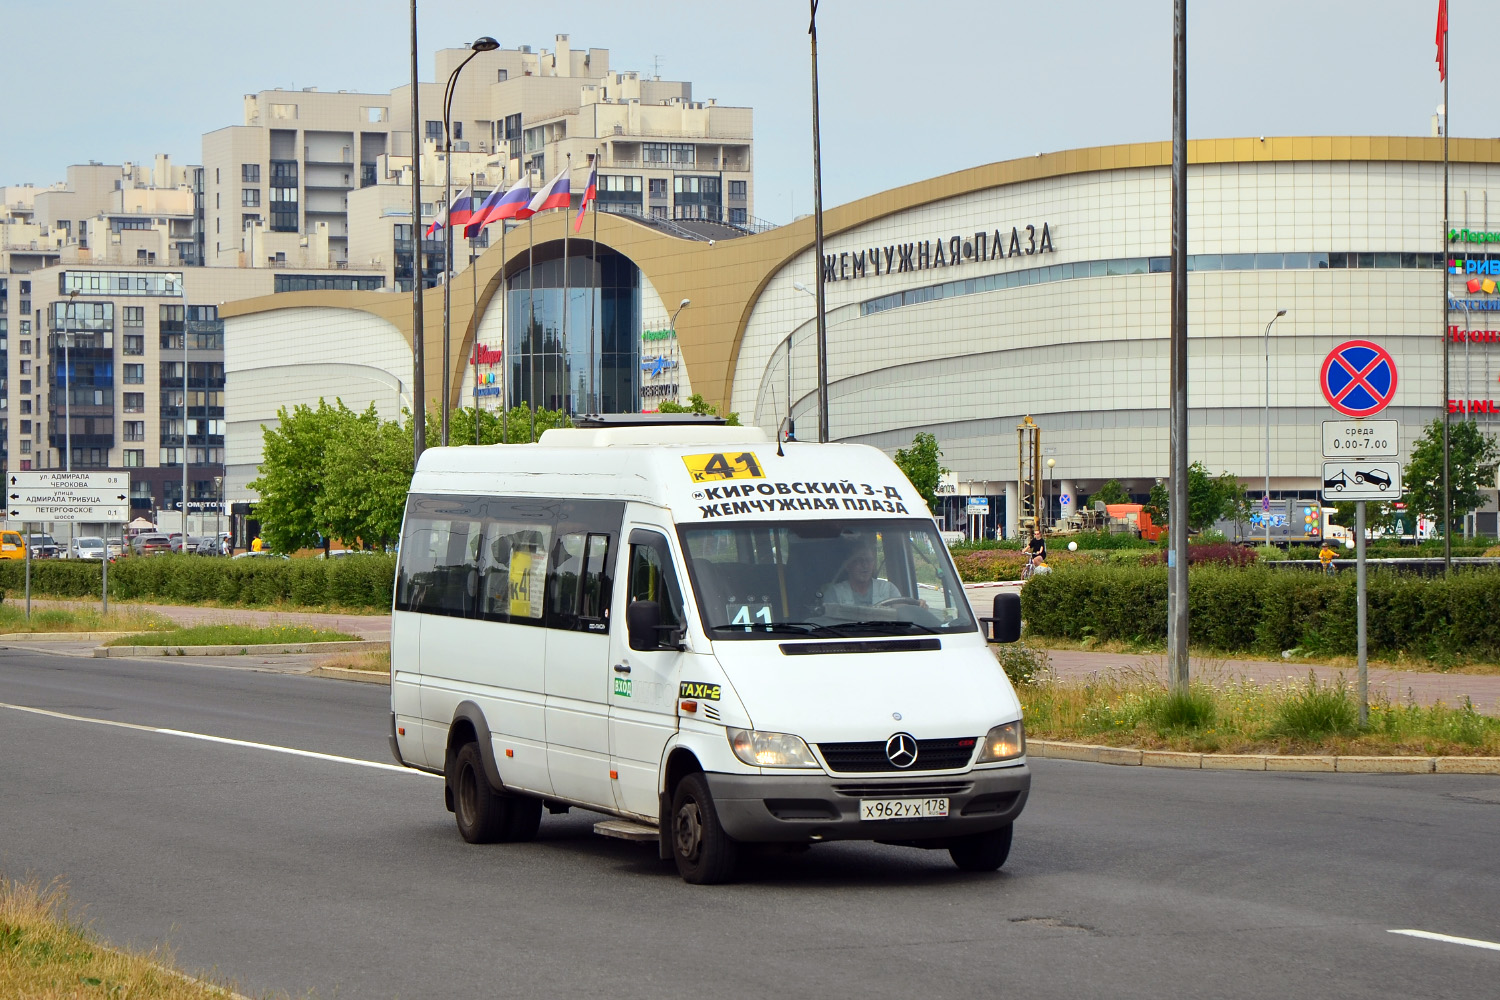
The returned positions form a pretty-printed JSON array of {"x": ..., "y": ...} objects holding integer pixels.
[{"x": 369, "y": 627}]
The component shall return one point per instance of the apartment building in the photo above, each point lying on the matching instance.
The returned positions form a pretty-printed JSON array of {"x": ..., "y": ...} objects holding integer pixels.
[{"x": 309, "y": 158}]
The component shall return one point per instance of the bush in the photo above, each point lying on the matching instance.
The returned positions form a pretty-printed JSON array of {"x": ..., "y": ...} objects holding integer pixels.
[
  {"x": 1225, "y": 553},
  {"x": 1022, "y": 664},
  {"x": 363, "y": 581},
  {"x": 1316, "y": 711},
  {"x": 1265, "y": 611}
]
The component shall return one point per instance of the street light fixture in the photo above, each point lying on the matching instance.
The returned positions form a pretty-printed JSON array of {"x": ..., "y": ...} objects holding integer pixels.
[
  {"x": 1265, "y": 507},
  {"x": 1051, "y": 464},
  {"x": 483, "y": 43}
]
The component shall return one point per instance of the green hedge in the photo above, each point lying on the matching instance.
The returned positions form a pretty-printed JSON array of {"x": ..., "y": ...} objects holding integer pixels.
[
  {"x": 363, "y": 581},
  {"x": 1264, "y": 611}
]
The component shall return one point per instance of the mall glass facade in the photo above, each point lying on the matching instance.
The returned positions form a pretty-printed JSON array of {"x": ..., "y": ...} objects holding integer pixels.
[{"x": 551, "y": 365}]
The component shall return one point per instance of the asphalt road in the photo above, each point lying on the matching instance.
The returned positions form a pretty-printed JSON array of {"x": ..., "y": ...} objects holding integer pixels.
[{"x": 297, "y": 873}]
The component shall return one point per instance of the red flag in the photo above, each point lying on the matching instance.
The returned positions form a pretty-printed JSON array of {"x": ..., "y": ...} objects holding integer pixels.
[{"x": 1442, "y": 40}]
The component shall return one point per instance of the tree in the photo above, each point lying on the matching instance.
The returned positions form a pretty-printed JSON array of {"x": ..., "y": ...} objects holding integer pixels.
[
  {"x": 1471, "y": 461},
  {"x": 1210, "y": 498},
  {"x": 920, "y": 464},
  {"x": 697, "y": 404},
  {"x": 292, "y": 474},
  {"x": 1110, "y": 492},
  {"x": 1158, "y": 503},
  {"x": 367, "y": 472}
]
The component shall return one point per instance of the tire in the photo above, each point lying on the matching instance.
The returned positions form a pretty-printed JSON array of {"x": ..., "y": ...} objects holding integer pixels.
[
  {"x": 482, "y": 814},
  {"x": 982, "y": 852},
  {"x": 704, "y": 853},
  {"x": 524, "y": 820}
]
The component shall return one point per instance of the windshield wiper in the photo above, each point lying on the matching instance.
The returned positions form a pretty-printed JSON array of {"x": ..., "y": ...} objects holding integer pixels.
[
  {"x": 879, "y": 623},
  {"x": 791, "y": 628}
]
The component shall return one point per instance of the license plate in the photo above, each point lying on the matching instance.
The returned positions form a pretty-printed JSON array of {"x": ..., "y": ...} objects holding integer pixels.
[{"x": 902, "y": 808}]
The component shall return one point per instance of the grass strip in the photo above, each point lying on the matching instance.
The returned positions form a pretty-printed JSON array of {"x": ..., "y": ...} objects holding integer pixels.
[
  {"x": 234, "y": 635},
  {"x": 376, "y": 662},
  {"x": 45, "y": 954},
  {"x": 1132, "y": 708},
  {"x": 13, "y": 619}
]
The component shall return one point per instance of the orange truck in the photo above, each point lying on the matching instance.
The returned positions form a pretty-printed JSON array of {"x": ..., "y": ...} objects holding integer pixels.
[{"x": 1136, "y": 517}]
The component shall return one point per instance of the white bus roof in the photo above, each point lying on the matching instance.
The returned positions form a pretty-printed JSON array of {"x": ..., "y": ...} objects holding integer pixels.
[{"x": 700, "y": 473}]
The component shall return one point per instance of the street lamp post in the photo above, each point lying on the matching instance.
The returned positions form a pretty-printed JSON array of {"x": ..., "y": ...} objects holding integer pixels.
[
  {"x": 484, "y": 43},
  {"x": 1265, "y": 507},
  {"x": 1047, "y": 519},
  {"x": 418, "y": 345},
  {"x": 672, "y": 324},
  {"x": 823, "y": 433},
  {"x": 185, "y": 416},
  {"x": 219, "y": 513},
  {"x": 67, "y": 340}
]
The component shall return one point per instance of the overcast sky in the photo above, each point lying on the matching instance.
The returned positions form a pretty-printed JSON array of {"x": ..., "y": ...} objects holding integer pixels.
[{"x": 910, "y": 90}]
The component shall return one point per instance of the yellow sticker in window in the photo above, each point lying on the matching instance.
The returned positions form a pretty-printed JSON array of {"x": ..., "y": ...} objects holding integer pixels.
[{"x": 720, "y": 466}]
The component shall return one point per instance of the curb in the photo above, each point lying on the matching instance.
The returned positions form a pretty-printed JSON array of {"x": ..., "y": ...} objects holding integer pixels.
[
  {"x": 1260, "y": 762},
  {"x": 344, "y": 646},
  {"x": 345, "y": 674},
  {"x": 62, "y": 636}
]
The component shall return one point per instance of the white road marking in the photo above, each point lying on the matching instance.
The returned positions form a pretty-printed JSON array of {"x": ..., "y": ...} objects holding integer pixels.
[
  {"x": 216, "y": 739},
  {"x": 1449, "y": 939}
]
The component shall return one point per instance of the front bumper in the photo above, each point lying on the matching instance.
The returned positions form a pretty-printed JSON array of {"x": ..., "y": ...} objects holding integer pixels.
[{"x": 806, "y": 808}]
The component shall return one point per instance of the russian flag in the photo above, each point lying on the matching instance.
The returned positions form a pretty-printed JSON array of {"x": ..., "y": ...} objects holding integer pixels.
[
  {"x": 557, "y": 194},
  {"x": 460, "y": 212},
  {"x": 501, "y": 204},
  {"x": 590, "y": 193}
]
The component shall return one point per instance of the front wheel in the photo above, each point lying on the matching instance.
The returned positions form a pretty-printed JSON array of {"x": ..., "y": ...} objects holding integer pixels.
[
  {"x": 982, "y": 852},
  {"x": 704, "y": 853}
]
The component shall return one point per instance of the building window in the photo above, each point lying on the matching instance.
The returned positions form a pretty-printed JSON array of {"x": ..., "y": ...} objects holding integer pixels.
[
  {"x": 25, "y": 390},
  {"x": 658, "y": 187},
  {"x": 26, "y": 427},
  {"x": 25, "y": 367},
  {"x": 684, "y": 154},
  {"x": 134, "y": 430},
  {"x": 502, "y": 75},
  {"x": 135, "y": 315},
  {"x": 250, "y": 173},
  {"x": 135, "y": 343},
  {"x": 26, "y": 447},
  {"x": 283, "y": 111},
  {"x": 135, "y": 458},
  {"x": 736, "y": 190},
  {"x": 434, "y": 130},
  {"x": 250, "y": 198},
  {"x": 654, "y": 152},
  {"x": 25, "y": 347},
  {"x": 367, "y": 176},
  {"x": 458, "y": 130},
  {"x": 135, "y": 374},
  {"x": 658, "y": 211},
  {"x": 738, "y": 217},
  {"x": 135, "y": 402}
]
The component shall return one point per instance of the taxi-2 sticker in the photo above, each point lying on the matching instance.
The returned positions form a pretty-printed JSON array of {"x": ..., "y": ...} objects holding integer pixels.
[
  {"x": 699, "y": 690},
  {"x": 720, "y": 466}
]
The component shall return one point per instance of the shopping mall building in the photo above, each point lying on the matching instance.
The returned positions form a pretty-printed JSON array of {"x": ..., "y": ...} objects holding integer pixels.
[{"x": 960, "y": 305}]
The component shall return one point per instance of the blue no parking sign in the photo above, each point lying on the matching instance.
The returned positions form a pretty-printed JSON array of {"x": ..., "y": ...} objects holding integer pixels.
[{"x": 1358, "y": 378}]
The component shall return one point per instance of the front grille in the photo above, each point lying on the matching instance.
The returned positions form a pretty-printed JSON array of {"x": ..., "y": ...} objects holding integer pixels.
[
  {"x": 932, "y": 755},
  {"x": 904, "y": 789}
]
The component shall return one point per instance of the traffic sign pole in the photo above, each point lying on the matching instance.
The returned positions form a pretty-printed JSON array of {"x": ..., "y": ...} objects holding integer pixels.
[
  {"x": 26, "y": 527},
  {"x": 1363, "y": 613}
]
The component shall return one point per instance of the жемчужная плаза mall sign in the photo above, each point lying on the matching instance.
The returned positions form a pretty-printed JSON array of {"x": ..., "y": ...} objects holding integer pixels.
[{"x": 950, "y": 252}]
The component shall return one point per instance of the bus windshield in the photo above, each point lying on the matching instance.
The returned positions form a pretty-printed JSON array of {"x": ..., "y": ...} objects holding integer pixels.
[{"x": 841, "y": 578}]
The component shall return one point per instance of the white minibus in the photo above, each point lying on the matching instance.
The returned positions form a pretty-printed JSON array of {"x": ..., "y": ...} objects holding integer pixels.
[{"x": 718, "y": 640}]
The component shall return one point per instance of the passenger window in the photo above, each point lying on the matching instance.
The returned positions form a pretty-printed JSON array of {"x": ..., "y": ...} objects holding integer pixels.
[
  {"x": 440, "y": 567},
  {"x": 652, "y": 579},
  {"x": 578, "y": 586},
  {"x": 596, "y": 580},
  {"x": 513, "y": 571}
]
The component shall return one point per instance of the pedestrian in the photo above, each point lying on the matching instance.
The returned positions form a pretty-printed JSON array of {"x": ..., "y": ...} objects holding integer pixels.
[
  {"x": 1325, "y": 555},
  {"x": 256, "y": 544}
]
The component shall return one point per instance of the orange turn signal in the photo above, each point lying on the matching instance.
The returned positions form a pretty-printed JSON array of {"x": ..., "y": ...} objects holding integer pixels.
[
  {"x": 401, "y": 731},
  {"x": 690, "y": 706},
  {"x": 509, "y": 752},
  {"x": 614, "y": 775}
]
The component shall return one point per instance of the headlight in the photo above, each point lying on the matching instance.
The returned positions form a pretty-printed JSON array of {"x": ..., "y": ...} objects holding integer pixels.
[
  {"x": 1003, "y": 743},
  {"x": 770, "y": 749}
]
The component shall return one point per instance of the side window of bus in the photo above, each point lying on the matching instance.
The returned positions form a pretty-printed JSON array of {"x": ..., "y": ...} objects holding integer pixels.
[
  {"x": 651, "y": 577},
  {"x": 513, "y": 571},
  {"x": 440, "y": 566},
  {"x": 578, "y": 582}
]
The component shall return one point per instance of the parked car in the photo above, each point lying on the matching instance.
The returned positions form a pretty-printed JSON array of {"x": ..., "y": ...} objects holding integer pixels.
[
  {"x": 44, "y": 547},
  {"x": 262, "y": 554},
  {"x": 86, "y": 547},
  {"x": 150, "y": 544},
  {"x": 116, "y": 547},
  {"x": 12, "y": 546},
  {"x": 208, "y": 546},
  {"x": 178, "y": 545}
]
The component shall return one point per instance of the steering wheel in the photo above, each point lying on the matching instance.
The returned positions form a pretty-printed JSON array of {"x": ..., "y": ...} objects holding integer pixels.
[{"x": 896, "y": 602}]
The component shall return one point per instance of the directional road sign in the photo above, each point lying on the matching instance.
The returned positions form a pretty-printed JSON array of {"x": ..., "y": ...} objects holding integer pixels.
[
  {"x": 65, "y": 511},
  {"x": 1360, "y": 479},
  {"x": 1358, "y": 378},
  {"x": 1361, "y": 438},
  {"x": 57, "y": 479}
]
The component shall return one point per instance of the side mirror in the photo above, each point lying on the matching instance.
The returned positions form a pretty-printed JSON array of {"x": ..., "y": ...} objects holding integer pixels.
[
  {"x": 642, "y": 624},
  {"x": 1005, "y": 626}
]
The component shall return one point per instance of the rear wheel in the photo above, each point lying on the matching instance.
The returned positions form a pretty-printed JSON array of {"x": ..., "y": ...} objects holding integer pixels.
[
  {"x": 704, "y": 853},
  {"x": 483, "y": 814},
  {"x": 982, "y": 852}
]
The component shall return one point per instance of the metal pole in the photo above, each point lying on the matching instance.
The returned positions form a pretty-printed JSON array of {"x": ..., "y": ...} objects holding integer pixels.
[
  {"x": 104, "y": 571},
  {"x": 1177, "y": 573},
  {"x": 1265, "y": 507},
  {"x": 823, "y": 434},
  {"x": 1443, "y": 324},
  {"x": 184, "y": 419},
  {"x": 67, "y": 338},
  {"x": 1363, "y": 613},
  {"x": 531, "y": 321},
  {"x": 474, "y": 312},
  {"x": 562, "y": 347},
  {"x": 447, "y": 268},
  {"x": 418, "y": 364},
  {"x": 26, "y": 527},
  {"x": 595, "y": 292},
  {"x": 504, "y": 343}
]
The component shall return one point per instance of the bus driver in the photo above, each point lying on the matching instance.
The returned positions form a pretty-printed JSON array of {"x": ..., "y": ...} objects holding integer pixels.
[{"x": 860, "y": 585}]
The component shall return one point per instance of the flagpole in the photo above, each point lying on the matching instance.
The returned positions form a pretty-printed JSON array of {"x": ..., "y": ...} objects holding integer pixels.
[
  {"x": 504, "y": 344},
  {"x": 474, "y": 313},
  {"x": 1443, "y": 318},
  {"x": 563, "y": 344},
  {"x": 597, "y": 291},
  {"x": 531, "y": 322},
  {"x": 447, "y": 275}
]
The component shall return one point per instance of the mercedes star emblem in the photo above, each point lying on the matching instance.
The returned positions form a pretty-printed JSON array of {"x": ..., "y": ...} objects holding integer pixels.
[
  {"x": 896, "y": 716},
  {"x": 901, "y": 750}
]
